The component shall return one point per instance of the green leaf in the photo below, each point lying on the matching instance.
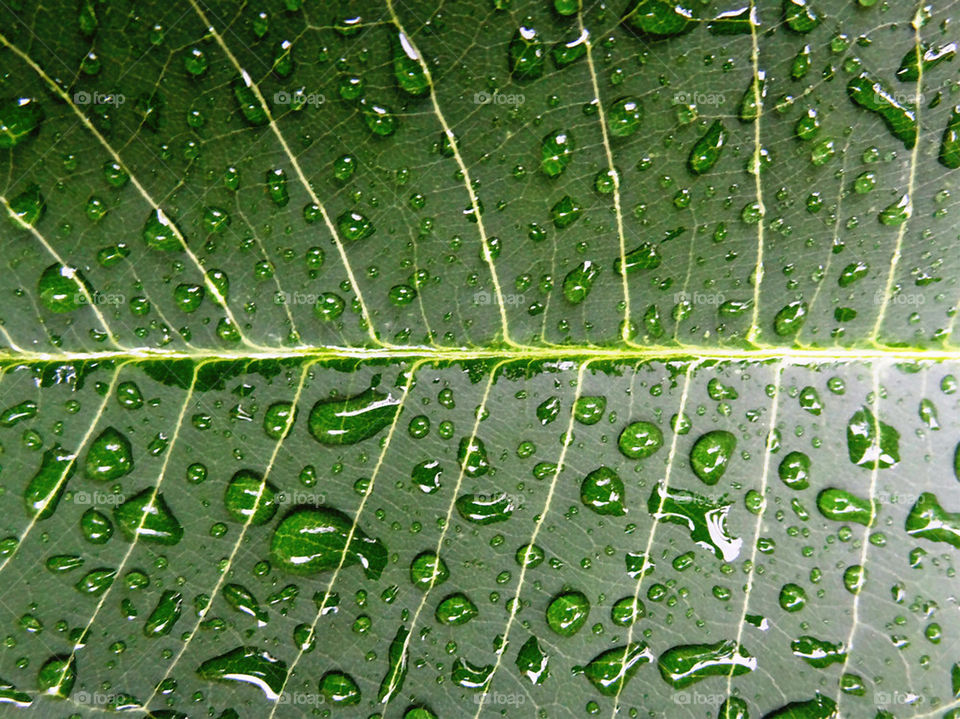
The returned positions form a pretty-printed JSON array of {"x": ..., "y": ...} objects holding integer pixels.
[{"x": 489, "y": 358}]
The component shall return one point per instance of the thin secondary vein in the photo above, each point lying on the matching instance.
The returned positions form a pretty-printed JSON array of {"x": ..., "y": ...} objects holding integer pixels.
[
  {"x": 321, "y": 609},
  {"x": 294, "y": 407},
  {"x": 768, "y": 453},
  {"x": 448, "y": 520},
  {"x": 615, "y": 176},
  {"x": 63, "y": 477},
  {"x": 516, "y": 605},
  {"x": 474, "y": 201},
  {"x": 143, "y": 517},
  {"x": 865, "y": 541},
  {"x": 684, "y": 394},
  {"x": 57, "y": 90},
  {"x": 758, "y": 102},
  {"x": 83, "y": 289},
  {"x": 911, "y": 183},
  {"x": 296, "y": 168}
]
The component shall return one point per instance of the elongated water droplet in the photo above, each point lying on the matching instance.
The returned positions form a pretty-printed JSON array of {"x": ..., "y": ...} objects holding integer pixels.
[
  {"x": 396, "y": 667},
  {"x": 456, "y": 609},
  {"x": 353, "y": 419},
  {"x": 315, "y": 540},
  {"x": 818, "y": 653},
  {"x": 250, "y": 665},
  {"x": 243, "y": 601},
  {"x": 339, "y": 689},
  {"x": 843, "y": 506},
  {"x": 57, "y": 676},
  {"x": 610, "y": 671},
  {"x": 46, "y": 487},
  {"x": 930, "y": 56},
  {"x": 871, "y": 94},
  {"x": 684, "y": 665},
  {"x": 533, "y": 662},
  {"x": 929, "y": 520},
  {"x": 164, "y": 616},
  {"x": 790, "y": 318},
  {"x": 406, "y": 66},
  {"x": 471, "y": 676},
  {"x": 485, "y": 508},
  {"x": 659, "y": 18},
  {"x": 800, "y": 15},
  {"x": 706, "y": 151},
  {"x": 248, "y": 498},
  {"x": 820, "y": 707},
  {"x": 950, "y": 144},
  {"x": 579, "y": 281}
]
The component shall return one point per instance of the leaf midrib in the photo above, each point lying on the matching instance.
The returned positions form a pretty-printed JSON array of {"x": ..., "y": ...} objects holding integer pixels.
[{"x": 787, "y": 355}]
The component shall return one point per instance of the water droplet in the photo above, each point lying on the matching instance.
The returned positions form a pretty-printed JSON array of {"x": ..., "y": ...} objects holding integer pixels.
[
  {"x": 110, "y": 456},
  {"x": 250, "y": 499},
  {"x": 556, "y": 151},
  {"x": 250, "y": 665},
  {"x": 19, "y": 118},
  {"x": 43, "y": 492},
  {"x": 456, "y": 609},
  {"x": 711, "y": 454},
  {"x": 149, "y": 518},
  {"x": 610, "y": 671},
  {"x": 352, "y": 419},
  {"x": 705, "y": 518},
  {"x": 684, "y": 665},
  {"x": 602, "y": 491},
  {"x": 871, "y": 94},
  {"x": 871, "y": 443},
  {"x": 706, "y": 151},
  {"x": 315, "y": 540},
  {"x": 568, "y": 612},
  {"x": 526, "y": 54}
]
